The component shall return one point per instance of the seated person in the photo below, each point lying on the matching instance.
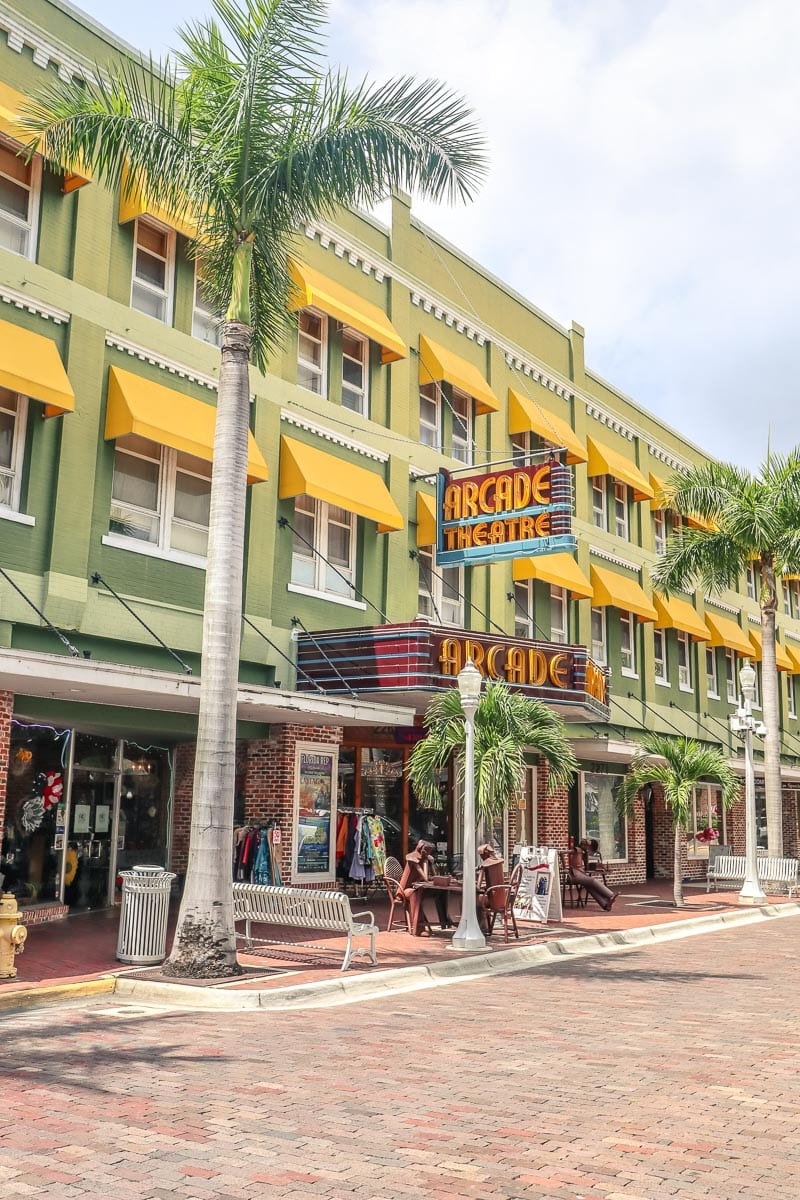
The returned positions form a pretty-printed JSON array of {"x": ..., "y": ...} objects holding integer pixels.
[
  {"x": 420, "y": 868},
  {"x": 577, "y": 859},
  {"x": 491, "y": 873}
]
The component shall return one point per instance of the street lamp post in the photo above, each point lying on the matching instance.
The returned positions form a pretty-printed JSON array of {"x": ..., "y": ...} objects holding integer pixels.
[
  {"x": 744, "y": 723},
  {"x": 468, "y": 936}
]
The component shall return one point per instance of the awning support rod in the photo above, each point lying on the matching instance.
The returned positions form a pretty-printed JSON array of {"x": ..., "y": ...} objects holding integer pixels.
[
  {"x": 97, "y": 578},
  {"x": 285, "y": 657},
  {"x": 295, "y": 622},
  {"x": 61, "y": 637}
]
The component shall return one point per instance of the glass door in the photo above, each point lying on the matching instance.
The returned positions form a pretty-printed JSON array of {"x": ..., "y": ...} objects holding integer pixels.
[{"x": 90, "y": 858}]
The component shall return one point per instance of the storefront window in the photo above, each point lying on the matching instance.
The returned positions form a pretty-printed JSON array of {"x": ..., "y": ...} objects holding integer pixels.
[
  {"x": 382, "y": 794},
  {"x": 431, "y": 824},
  {"x": 761, "y": 814},
  {"x": 707, "y": 823},
  {"x": 34, "y": 830},
  {"x": 601, "y": 815},
  {"x": 144, "y": 807}
]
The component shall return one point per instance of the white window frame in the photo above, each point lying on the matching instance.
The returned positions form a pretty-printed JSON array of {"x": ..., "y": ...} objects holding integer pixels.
[
  {"x": 660, "y": 531},
  {"x": 791, "y": 707},
  {"x": 731, "y": 681},
  {"x": 167, "y": 294},
  {"x": 34, "y": 189},
  {"x": 362, "y": 406},
  {"x": 685, "y": 667},
  {"x": 319, "y": 510},
  {"x": 583, "y": 775},
  {"x": 431, "y": 392},
  {"x": 523, "y": 608},
  {"x": 520, "y": 448},
  {"x": 787, "y": 597},
  {"x": 205, "y": 326},
  {"x": 14, "y": 470},
  {"x": 712, "y": 675},
  {"x": 660, "y": 658},
  {"x": 622, "y": 526},
  {"x": 627, "y": 654},
  {"x": 165, "y": 511},
  {"x": 757, "y": 696},
  {"x": 599, "y": 645},
  {"x": 599, "y": 502},
  {"x": 461, "y": 447},
  {"x": 319, "y": 372},
  {"x": 559, "y": 604},
  {"x": 750, "y": 576},
  {"x": 451, "y": 612}
]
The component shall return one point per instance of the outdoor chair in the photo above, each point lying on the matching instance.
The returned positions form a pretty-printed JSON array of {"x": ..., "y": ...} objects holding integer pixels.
[
  {"x": 596, "y": 865},
  {"x": 500, "y": 901},
  {"x": 392, "y": 873},
  {"x": 569, "y": 883}
]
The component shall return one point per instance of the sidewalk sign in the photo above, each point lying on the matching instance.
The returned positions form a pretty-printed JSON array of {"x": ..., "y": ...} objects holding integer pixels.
[{"x": 539, "y": 895}]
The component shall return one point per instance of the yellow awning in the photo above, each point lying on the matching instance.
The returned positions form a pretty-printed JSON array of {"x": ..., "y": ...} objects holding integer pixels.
[
  {"x": 306, "y": 471},
  {"x": 794, "y": 658},
  {"x": 729, "y": 634},
  {"x": 30, "y": 364},
  {"x": 525, "y": 415},
  {"x": 436, "y": 364},
  {"x": 426, "y": 519},
  {"x": 674, "y": 613},
  {"x": 11, "y": 102},
  {"x": 782, "y": 659},
  {"x": 660, "y": 493},
  {"x": 558, "y": 569},
  {"x": 133, "y": 202},
  {"x": 605, "y": 461},
  {"x": 150, "y": 410},
  {"x": 621, "y": 592},
  {"x": 313, "y": 288}
]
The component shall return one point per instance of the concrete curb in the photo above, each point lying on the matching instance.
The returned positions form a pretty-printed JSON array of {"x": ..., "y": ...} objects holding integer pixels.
[
  {"x": 40, "y": 997},
  {"x": 405, "y": 979}
]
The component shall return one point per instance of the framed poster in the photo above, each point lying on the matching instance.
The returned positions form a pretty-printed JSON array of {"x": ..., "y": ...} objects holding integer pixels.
[
  {"x": 81, "y": 818},
  {"x": 314, "y": 823},
  {"x": 101, "y": 818}
]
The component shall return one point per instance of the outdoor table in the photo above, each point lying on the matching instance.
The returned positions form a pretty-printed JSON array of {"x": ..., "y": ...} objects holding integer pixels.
[{"x": 429, "y": 888}]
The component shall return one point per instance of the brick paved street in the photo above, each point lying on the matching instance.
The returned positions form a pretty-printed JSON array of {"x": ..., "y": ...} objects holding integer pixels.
[{"x": 666, "y": 1072}]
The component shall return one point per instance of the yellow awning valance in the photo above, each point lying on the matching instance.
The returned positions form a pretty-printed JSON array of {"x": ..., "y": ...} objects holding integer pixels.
[
  {"x": 674, "y": 613},
  {"x": 525, "y": 415},
  {"x": 30, "y": 364},
  {"x": 794, "y": 658},
  {"x": 605, "y": 461},
  {"x": 313, "y": 288},
  {"x": 782, "y": 659},
  {"x": 660, "y": 494},
  {"x": 11, "y": 102},
  {"x": 306, "y": 471},
  {"x": 133, "y": 202},
  {"x": 437, "y": 364},
  {"x": 729, "y": 634},
  {"x": 617, "y": 590},
  {"x": 150, "y": 410},
  {"x": 426, "y": 520},
  {"x": 558, "y": 569}
]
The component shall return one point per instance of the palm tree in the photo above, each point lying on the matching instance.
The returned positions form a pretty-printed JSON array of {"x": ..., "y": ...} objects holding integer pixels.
[
  {"x": 749, "y": 519},
  {"x": 679, "y": 764},
  {"x": 247, "y": 132},
  {"x": 506, "y": 725}
]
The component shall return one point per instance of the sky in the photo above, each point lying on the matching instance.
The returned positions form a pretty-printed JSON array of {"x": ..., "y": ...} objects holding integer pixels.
[{"x": 644, "y": 172}]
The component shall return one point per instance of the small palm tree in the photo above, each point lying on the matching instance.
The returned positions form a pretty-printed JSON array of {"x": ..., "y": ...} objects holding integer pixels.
[
  {"x": 248, "y": 133},
  {"x": 506, "y": 725},
  {"x": 679, "y": 764},
  {"x": 751, "y": 519}
]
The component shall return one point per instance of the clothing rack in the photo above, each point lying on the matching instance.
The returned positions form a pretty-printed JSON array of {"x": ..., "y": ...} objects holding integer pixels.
[{"x": 354, "y": 888}]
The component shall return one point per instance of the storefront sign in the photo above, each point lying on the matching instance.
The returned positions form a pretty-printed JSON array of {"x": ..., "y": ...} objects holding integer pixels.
[
  {"x": 531, "y": 666},
  {"x": 503, "y": 514},
  {"x": 313, "y": 847}
]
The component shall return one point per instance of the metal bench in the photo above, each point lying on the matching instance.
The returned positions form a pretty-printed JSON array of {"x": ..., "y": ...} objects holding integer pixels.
[
  {"x": 259, "y": 904},
  {"x": 731, "y": 869}
]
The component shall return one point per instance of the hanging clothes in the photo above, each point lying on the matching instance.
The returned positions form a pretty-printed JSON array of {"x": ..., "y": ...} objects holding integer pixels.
[
  {"x": 262, "y": 868},
  {"x": 375, "y": 826},
  {"x": 275, "y": 856},
  {"x": 361, "y": 863}
]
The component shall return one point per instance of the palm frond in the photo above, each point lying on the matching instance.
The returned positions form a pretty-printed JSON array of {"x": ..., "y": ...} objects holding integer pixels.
[{"x": 679, "y": 765}]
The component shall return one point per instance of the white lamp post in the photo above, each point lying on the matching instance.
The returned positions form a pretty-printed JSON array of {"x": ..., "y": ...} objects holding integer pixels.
[
  {"x": 744, "y": 723},
  {"x": 468, "y": 936}
]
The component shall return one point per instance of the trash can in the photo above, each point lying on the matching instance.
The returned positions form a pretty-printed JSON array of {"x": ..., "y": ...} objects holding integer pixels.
[{"x": 143, "y": 915}]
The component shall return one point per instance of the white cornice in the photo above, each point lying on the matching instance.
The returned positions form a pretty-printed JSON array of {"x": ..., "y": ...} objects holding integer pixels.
[
  {"x": 729, "y": 608},
  {"x": 45, "y": 49},
  {"x": 156, "y": 360},
  {"x": 330, "y": 435},
  {"x": 753, "y": 620},
  {"x": 598, "y": 552},
  {"x": 790, "y": 633},
  {"x": 593, "y": 409},
  {"x": 58, "y": 316}
]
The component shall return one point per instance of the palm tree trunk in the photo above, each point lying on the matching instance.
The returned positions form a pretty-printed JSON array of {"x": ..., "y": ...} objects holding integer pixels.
[
  {"x": 677, "y": 868},
  {"x": 769, "y": 687},
  {"x": 205, "y": 944}
]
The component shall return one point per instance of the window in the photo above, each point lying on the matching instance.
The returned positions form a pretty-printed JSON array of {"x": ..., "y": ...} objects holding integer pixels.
[
  {"x": 601, "y": 815},
  {"x": 707, "y": 822},
  {"x": 355, "y": 372},
  {"x": 160, "y": 496},
  {"x": 791, "y": 598},
  {"x": 621, "y": 511},
  {"x": 660, "y": 531},
  {"x": 153, "y": 270},
  {"x": 461, "y": 406},
  {"x": 599, "y": 648},
  {"x": 787, "y": 598},
  {"x": 684, "y": 661},
  {"x": 711, "y": 672},
  {"x": 323, "y": 531},
  {"x": 627, "y": 643},
  {"x": 791, "y": 711},
  {"x": 20, "y": 185},
  {"x": 559, "y": 614},
  {"x": 757, "y": 696},
  {"x": 430, "y": 416},
  {"x": 599, "y": 501},
  {"x": 312, "y": 351},
  {"x": 523, "y": 609},
  {"x": 731, "y": 686},
  {"x": 752, "y": 589},
  {"x": 520, "y": 448},
  {"x": 441, "y": 590},
  {"x": 205, "y": 324},
  {"x": 660, "y": 655},
  {"x": 13, "y": 419}
]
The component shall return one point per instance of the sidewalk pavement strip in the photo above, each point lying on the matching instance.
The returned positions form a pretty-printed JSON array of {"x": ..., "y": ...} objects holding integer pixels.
[{"x": 376, "y": 984}]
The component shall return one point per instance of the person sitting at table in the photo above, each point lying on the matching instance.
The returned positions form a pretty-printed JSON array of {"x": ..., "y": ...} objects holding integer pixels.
[
  {"x": 490, "y": 874},
  {"x": 419, "y": 869},
  {"x": 579, "y": 870}
]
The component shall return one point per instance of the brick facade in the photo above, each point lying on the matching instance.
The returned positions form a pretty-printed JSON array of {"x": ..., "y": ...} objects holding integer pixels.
[
  {"x": 6, "y": 709},
  {"x": 552, "y": 811},
  {"x": 183, "y": 787}
]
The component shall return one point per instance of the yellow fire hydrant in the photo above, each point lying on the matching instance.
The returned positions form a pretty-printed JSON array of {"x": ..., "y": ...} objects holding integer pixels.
[{"x": 12, "y": 935}]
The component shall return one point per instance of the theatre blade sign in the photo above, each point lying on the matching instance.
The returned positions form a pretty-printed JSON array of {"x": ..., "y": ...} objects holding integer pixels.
[{"x": 519, "y": 511}]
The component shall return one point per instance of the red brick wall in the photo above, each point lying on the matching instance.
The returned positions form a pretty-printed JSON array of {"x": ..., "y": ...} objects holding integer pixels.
[
  {"x": 6, "y": 709},
  {"x": 552, "y": 811},
  {"x": 736, "y": 823},
  {"x": 635, "y": 869},
  {"x": 183, "y": 787},
  {"x": 791, "y": 838}
]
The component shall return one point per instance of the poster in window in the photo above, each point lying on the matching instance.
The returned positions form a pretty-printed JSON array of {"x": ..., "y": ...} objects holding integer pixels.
[{"x": 314, "y": 813}]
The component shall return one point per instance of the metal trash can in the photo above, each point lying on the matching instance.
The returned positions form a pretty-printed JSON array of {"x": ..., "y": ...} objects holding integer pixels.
[{"x": 143, "y": 915}]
